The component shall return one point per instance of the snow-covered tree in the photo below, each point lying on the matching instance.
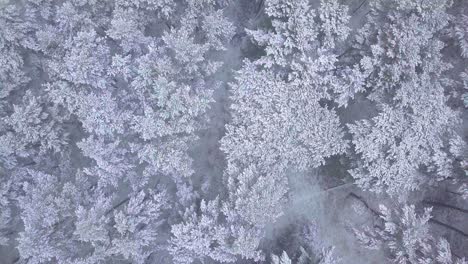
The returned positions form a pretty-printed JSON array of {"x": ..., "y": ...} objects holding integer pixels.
[
  {"x": 200, "y": 235},
  {"x": 305, "y": 45},
  {"x": 283, "y": 259},
  {"x": 136, "y": 226},
  {"x": 112, "y": 160},
  {"x": 458, "y": 30},
  {"x": 404, "y": 235},
  {"x": 117, "y": 90},
  {"x": 75, "y": 222},
  {"x": 405, "y": 145},
  {"x": 45, "y": 209},
  {"x": 102, "y": 100},
  {"x": 304, "y": 258},
  {"x": 143, "y": 93},
  {"x": 33, "y": 127},
  {"x": 280, "y": 120},
  {"x": 12, "y": 34}
]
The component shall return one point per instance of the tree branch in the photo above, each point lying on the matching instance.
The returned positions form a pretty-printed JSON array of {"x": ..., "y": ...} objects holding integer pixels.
[
  {"x": 344, "y": 53},
  {"x": 355, "y": 196},
  {"x": 118, "y": 205},
  {"x": 455, "y": 193},
  {"x": 359, "y": 7},
  {"x": 456, "y": 230},
  {"x": 439, "y": 204}
]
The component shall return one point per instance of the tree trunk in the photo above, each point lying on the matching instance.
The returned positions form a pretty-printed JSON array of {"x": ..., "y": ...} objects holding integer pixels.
[{"x": 456, "y": 230}]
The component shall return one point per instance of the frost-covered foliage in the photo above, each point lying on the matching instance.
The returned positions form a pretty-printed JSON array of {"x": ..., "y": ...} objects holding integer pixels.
[
  {"x": 459, "y": 32},
  {"x": 404, "y": 235},
  {"x": 113, "y": 92},
  {"x": 283, "y": 259},
  {"x": 124, "y": 85},
  {"x": 200, "y": 236},
  {"x": 278, "y": 122},
  {"x": 70, "y": 224},
  {"x": 160, "y": 131},
  {"x": 307, "y": 247},
  {"x": 13, "y": 36},
  {"x": 405, "y": 145},
  {"x": 325, "y": 258}
]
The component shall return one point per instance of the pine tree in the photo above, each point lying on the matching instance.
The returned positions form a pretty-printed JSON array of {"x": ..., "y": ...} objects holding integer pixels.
[
  {"x": 279, "y": 122},
  {"x": 200, "y": 235},
  {"x": 76, "y": 222},
  {"x": 405, "y": 237},
  {"x": 404, "y": 146}
]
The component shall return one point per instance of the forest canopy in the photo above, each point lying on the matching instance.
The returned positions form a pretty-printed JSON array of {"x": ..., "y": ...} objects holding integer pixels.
[{"x": 233, "y": 131}]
